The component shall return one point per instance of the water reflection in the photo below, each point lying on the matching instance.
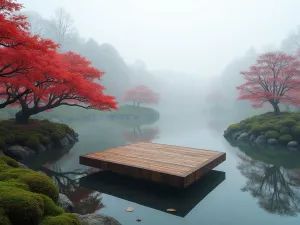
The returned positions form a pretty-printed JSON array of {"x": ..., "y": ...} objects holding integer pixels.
[
  {"x": 85, "y": 200},
  {"x": 138, "y": 134},
  {"x": 273, "y": 177},
  {"x": 153, "y": 195}
]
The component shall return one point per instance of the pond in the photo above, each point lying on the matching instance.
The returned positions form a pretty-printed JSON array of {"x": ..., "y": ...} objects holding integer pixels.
[{"x": 240, "y": 190}]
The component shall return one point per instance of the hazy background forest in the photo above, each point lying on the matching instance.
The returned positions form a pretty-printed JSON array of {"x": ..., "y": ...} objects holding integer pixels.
[{"x": 191, "y": 92}]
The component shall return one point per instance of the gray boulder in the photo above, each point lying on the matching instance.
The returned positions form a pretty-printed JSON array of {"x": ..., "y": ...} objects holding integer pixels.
[
  {"x": 293, "y": 145},
  {"x": 65, "y": 203},
  {"x": 21, "y": 165},
  {"x": 1, "y": 152},
  {"x": 29, "y": 150},
  {"x": 70, "y": 139},
  {"x": 252, "y": 138},
  {"x": 243, "y": 137},
  {"x": 17, "y": 152},
  {"x": 64, "y": 142},
  {"x": 236, "y": 135},
  {"x": 41, "y": 149},
  {"x": 97, "y": 219},
  {"x": 272, "y": 141},
  {"x": 261, "y": 140}
]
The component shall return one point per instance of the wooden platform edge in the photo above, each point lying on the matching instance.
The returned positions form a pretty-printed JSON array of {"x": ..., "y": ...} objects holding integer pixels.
[
  {"x": 139, "y": 173},
  {"x": 156, "y": 176},
  {"x": 203, "y": 168}
]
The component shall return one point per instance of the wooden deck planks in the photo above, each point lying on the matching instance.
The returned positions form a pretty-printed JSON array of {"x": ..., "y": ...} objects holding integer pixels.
[{"x": 173, "y": 165}]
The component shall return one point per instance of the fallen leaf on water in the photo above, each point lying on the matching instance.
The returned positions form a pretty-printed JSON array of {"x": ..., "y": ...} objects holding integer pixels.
[
  {"x": 171, "y": 210},
  {"x": 129, "y": 209},
  {"x": 138, "y": 220}
]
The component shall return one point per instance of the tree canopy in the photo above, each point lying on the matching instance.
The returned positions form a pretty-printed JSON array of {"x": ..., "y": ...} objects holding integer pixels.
[
  {"x": 274, "y": 79},
  {"x": 37, "y": 77}
]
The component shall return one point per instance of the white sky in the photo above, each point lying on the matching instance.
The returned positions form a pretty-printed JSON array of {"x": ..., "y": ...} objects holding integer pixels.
[{"x": 195, "y": 36}]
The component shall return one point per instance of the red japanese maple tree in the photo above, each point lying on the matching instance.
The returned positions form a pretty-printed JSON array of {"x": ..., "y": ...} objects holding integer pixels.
[
  {"x": 19, "y": 50},
  {"x": 141, "y": 94},
  {"x": 35, "y": 76},
  {"x": 274, "y": 79},
  {"x": 65, "y": 79}
]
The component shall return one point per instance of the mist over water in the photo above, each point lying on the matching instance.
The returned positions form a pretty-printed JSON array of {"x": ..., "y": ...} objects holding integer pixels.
[{"x": 191, "y": 54}]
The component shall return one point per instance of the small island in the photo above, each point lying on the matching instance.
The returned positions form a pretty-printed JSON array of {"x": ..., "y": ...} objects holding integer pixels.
[
  {"x": 269, "y": 128},
  {"x": 273, "y": 80}
]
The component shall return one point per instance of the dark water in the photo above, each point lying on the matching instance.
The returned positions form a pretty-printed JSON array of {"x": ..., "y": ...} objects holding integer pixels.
[{"x": 242, "y": 190}]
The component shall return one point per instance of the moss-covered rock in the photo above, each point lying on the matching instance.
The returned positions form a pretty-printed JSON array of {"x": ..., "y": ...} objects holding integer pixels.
[
  {"x": 272, "y": 134},
  {"x": 284, "y": 130},
  {"x": 33, "y": 133},
  {"x": 284, "y": 127},
  {"x": 29, "y": 197},
  {"x": 285, "y": 138}
]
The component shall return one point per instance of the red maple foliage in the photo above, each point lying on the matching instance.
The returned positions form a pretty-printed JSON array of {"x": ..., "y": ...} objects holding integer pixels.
[
  {"x": 274, "y": 79},
  {"x": 141, "y": 95},
  {"x": 61, "y": 79},
  {"x": 19, "y": 50},
  {"x": 35, "y": 76}
]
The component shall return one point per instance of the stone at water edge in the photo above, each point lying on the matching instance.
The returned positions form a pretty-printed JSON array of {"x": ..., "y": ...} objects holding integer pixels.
[
  {"x": 1, "y": 152},
  {"x": 41, "y": 149},
  {"x": 243, "y": 137},
  {"x": 65, "y": 203},
  {"x": 236, "y": 135},
  {"x": 21, "y": 165},
  {"x": 261, "y": 140},
  {"x": 97, "y": 219},
  {"x": 70, "y": 138},
  {"x": 64, "y": 141},
  {"x": 252, "y": 138},
  {"x": 272, "y": 141},
  {"x": 17, "y": 152},
  {"x": 293, "y": 145}
]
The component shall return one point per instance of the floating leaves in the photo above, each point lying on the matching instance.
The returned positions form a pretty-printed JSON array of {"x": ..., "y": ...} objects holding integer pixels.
[
  {"x": 129, "y": 209},
  {"x": 171, "y": 210}
]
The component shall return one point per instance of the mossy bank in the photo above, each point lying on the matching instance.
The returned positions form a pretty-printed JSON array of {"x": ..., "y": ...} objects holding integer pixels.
[
  {"x": 268, "y": 129},
  {"x": 29, "y": 198},
  {"x": 38, "y": 136}
]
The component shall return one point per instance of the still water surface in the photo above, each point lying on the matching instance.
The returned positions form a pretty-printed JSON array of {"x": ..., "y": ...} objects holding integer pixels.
[{"x": 248, "y": 192}]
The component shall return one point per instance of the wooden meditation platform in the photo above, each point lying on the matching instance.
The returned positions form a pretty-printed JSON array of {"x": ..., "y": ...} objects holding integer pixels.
[{"x": 172, "y": 165}]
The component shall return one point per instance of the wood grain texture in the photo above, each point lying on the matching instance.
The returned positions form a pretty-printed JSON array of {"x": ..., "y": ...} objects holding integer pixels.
[{"x": 173, "y": 165}]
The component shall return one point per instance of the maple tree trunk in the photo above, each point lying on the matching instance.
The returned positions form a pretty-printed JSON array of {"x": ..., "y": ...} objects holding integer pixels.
[
  {"x": 276, "y": 108},
  {"x": 22, "y": 117}
]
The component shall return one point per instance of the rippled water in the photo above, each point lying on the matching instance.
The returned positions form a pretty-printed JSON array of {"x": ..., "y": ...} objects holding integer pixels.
[{"x": 245, "y": 189}]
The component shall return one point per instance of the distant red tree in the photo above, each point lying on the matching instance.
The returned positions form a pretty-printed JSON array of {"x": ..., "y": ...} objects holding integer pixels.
[
  {"x": 141, "y": 95},
  {"x": 274, "y": 79},
  {"x": 141, "y": 135}
]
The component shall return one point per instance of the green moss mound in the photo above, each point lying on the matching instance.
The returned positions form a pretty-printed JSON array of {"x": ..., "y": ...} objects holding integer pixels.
[
  {"x": 284, "y": 127},
  {"x": 32, "y": 134},
  {"x": 272, "y": 134},
  {"x": 29, "y": 197}
]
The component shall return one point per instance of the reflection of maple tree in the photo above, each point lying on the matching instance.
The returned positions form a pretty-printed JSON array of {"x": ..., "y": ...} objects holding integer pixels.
[
  {"x": 85, "y": 200},
  {"x": 276, "y": 188},
  {"x": 141, "y": 135}
]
